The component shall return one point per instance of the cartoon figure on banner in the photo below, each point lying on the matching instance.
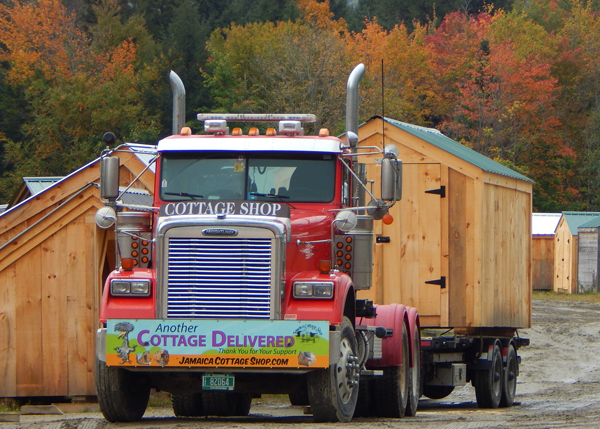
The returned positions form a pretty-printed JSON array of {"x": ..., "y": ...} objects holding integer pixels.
[{"x": 123, "y": 351}]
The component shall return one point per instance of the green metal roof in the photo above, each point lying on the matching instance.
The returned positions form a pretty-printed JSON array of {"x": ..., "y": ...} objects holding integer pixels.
[
  {"x": 436, "y": 138},
  {"x": 594, "y": 223},
  {"x": 576, "y": 219}
]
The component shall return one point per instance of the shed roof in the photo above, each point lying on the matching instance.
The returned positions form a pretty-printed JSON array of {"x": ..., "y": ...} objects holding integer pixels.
[
  {"x": 576, "y": 219},
  {"x": 436, "y": 138},
  {"x": 594, "y": 223},
  {"x": 544, "y": 223},
  {"x": 38, "y": 184}
]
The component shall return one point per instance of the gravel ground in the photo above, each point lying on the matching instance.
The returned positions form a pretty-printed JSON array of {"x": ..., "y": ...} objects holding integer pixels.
[{"x": 558, "y": 386}]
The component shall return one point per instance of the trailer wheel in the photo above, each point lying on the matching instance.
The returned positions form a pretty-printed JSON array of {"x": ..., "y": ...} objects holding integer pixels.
[
  {"x": 509, "y": 389},
  {"x": 226, "y": 404},
  {"x": 333, "y": 392},
  {"x": 391, "y": 389},
  {"x": 437, "y": 392},
  {"x": 488, "y": 382},
  {"x": 187, "y": 404},
  {"x": 414, "y": 376},
  {"x": 122, "y": 395}
]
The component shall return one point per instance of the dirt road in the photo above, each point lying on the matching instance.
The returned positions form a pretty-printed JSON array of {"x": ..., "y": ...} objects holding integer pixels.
[{"x": 559, "y": 386}]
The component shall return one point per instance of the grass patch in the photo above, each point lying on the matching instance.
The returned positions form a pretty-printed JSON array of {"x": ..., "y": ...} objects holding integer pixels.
[
  {"x": 565, "y": 297},
  {"x": 9, "y": 406}
]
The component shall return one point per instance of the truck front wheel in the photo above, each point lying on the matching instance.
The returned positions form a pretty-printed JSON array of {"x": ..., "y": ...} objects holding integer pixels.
[
  {"x": 333, "y": 392},
  {"x": 122, "y": 395}
]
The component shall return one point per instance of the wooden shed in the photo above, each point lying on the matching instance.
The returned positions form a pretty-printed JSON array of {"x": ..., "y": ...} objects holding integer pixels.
[
  {"x": 459, "y": 249},
  {"x": 53, "y": 260},
  {"x": 566, "y": 248},
  {"x": 588, "y": 256},
  {"x": 543, "y": 226}
]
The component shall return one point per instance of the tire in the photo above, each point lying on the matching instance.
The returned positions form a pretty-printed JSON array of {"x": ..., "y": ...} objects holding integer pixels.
[
  {"x": 414, "y": 376},
  {"x": 243, "y": 404},
  {"x": 364, "y": 406},
  {"x": 226, "y": 404},
  {"x": 488, "y": 382},
  {"x": 511, "y": 370},
  {"x": 187, "y": 404},
  {"x": 122, "y": 395},
  {"x": 333, "y": 392},
  {"x": 299, "y": 396},
  {"x": 391, "y": 390},
  {"x": 437, "y": 392}
]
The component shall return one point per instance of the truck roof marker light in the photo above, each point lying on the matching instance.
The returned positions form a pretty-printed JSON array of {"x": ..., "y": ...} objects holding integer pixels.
[
  {"x": 270, "y": 132},
  {"x": 127, "y": 264},
  {"x": 324, "y": 266},
  {"x": 216, "y": 127},
  {"x": 186, "y": 131},
  {"x": 237, "y": 131},
  {"x": 253, "y": 132},
  {"x": 387, "y": 219},
  {"x": 323, "y": 132},
  {"x": 291, "y": 127}
]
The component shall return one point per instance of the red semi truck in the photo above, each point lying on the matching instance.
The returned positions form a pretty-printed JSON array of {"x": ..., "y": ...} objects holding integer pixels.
[
  {"x": 242, "y": 277},
  {"x": 248, "y": 273}
]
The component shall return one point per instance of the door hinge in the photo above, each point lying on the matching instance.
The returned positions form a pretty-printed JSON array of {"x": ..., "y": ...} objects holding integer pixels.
[
  {"x": 441, "y": 192},
  {"x": 441, "y": 282}
]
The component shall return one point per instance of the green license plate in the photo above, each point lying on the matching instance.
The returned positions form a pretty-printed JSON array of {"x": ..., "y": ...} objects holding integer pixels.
[{"x": 218, "y": 381}]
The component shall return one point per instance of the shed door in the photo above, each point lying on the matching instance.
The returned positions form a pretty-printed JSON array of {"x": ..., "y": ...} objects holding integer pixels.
[{"x": 414, "y": 255}]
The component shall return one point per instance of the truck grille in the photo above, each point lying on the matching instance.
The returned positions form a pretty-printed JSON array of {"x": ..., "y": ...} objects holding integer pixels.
[{"x": 219, "y": 278}]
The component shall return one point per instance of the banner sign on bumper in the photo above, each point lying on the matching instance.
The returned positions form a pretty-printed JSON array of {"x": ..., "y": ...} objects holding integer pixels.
[{"x": 217, "y": 343}]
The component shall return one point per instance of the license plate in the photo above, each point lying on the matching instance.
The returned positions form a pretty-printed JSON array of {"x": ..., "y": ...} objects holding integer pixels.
[{"x": 218, "y": 381}]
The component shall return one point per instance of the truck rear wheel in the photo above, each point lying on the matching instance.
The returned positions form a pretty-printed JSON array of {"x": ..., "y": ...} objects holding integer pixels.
[
  {"x": 122, "y": 395},
  {"x": 391, "y": 389},
  {"x": 509, "y": 388},
  {"x": 226, "y": 404},
  {"x": 488, "y": 382},
  {"x": 187, "y": 404},
  {"x": 414, "y": 376},
  {"x": 333, "y": 392}
]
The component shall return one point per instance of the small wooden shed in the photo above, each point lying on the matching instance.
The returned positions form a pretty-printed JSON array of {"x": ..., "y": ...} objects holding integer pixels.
[
  {"x": 459, "y": 249},
  {"x": 53, "y": 260},
  {"x": 543, "y": 226},
  {"x": 566, "y": 248},
  {"x": 588, "y": 256}
]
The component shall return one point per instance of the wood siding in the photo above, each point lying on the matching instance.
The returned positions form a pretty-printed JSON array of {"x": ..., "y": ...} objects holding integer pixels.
[
  {"x": 542, "y": 269},
  {"x": 478, "y": 238},
  {"x": 52, "y": 260}
]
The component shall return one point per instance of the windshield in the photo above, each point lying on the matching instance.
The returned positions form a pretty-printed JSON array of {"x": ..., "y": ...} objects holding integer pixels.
[{"x": 208, "y": 176}]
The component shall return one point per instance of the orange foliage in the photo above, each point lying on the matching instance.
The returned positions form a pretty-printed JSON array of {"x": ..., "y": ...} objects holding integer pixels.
[{"x": 40, "y": 36}]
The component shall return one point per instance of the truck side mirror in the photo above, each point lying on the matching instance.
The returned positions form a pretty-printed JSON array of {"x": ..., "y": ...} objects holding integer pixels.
[
  {"x": 109, "y": 177},
  {"x": 391, "y": 179}
]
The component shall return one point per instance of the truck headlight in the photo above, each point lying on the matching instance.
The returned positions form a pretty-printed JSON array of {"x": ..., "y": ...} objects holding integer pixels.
[
  {"x": 130, "y": 287},
  {"x": 319, "y": 290}
]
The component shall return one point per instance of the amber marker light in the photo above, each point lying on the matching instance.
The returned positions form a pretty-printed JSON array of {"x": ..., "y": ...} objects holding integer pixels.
[
  {"x": 127, "y": 264},
  {"x": 387, "y": 219},
  {"x": 186, "y": 131},
  {"x": 324, "y": 266}
]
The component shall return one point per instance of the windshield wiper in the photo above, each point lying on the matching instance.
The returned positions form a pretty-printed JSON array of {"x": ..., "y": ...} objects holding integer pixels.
[
  {"x": 258, "y": 194},
  {"x": 184, "y": 194}
]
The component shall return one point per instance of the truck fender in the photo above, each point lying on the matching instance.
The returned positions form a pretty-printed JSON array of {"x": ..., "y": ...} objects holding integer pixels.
[
  {"x": 321, "y": 309},
  {"x": 390, "y": 316},
  {"x": 413, "y": 322}
]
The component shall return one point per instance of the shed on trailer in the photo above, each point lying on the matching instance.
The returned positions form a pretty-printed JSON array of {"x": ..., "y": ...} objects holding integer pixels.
[
  {"x": 588, "y": 256},
  {"x": 52, "y": 259},
  {"x": 543, "y": 226},
  {"x": 459, "y": 249},
  {"x": 565, "y": 250}
]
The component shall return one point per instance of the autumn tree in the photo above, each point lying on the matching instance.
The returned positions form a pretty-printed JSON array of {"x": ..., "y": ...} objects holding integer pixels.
[
  {"x": 282, "y": 67},
  {"x": 77, "y": 87}
]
